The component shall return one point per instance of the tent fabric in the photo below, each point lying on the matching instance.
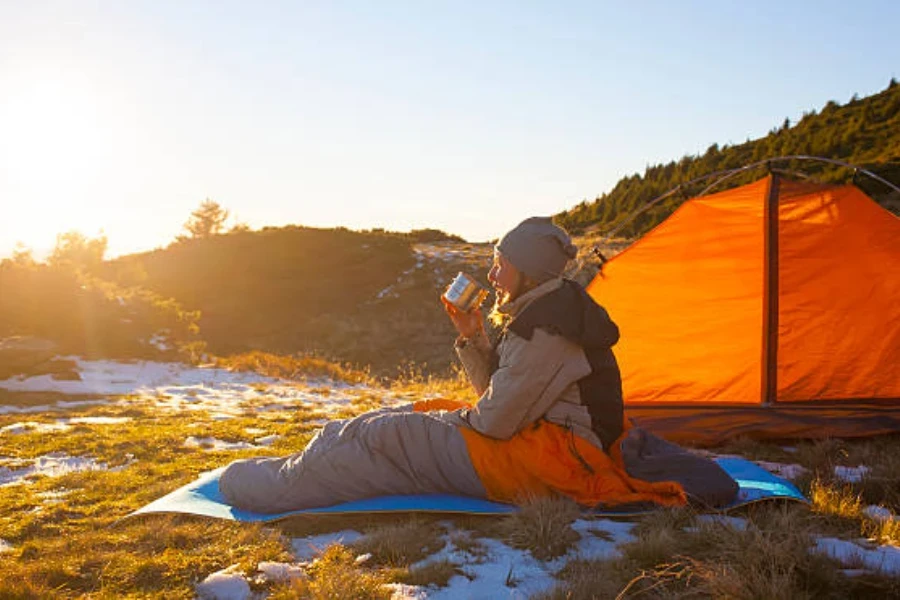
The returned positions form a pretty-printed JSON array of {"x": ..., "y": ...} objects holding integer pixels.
[{"x": 690, "y": 301}]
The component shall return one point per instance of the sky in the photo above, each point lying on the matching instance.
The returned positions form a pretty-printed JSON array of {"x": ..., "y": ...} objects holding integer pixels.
[{"x": 120, "y": 118}]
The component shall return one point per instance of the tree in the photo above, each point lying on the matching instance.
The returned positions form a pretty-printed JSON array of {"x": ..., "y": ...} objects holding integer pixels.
[
  {"x": 22, "y": 256},
  {"x": 208, "y": 220},
  {"x": 76, "y": 251}
]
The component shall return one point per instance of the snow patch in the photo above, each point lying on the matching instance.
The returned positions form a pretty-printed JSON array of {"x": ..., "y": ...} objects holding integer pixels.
[
  {"x": 497, "y": 572},
  {"x": 5, "y": 546},
  {"x": 851, "y": 474},
  {"x": 211, "y": 443},
  {"x": 60, "y": 424},
  {"x": 50, "y": 465},
  {"x": 33, "y": 427},
  {"x": 791, "y": 471},
  {"x": 277, "y": 571},
  {"x": 307, "y": 548},
  {"x": 115, "y": 378},
  {"x": 41, "y": 408},
  {"x": 878, "y": 513},
  {"x": 883, "y": 559},
  {"x": 227, "y": 584},
  {"x": 736, "y": 523}
]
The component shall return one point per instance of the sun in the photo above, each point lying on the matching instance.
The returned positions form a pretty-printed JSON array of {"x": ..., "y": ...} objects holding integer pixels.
[{"x": 56, "y": 143}]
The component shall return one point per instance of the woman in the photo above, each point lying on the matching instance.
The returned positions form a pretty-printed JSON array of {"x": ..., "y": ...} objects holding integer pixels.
[{"x": 548, "y": 421}]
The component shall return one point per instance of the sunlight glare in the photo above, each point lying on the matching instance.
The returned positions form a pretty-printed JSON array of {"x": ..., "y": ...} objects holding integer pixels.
[{"x": 57, "y": 144}]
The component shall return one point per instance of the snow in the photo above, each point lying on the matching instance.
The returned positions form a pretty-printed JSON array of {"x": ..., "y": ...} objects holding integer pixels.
[
  {"x": 851, "y": 474},
  {"x": 39, "y": 408},
  {"x": 175, "y": 387},
  {"x": 50, "y": 465},
  {"x": 276, "y": 571},
  {"x": 53, "y": 496},
  {"x": 736, "y": 523},
  {"x": 211, "y": 443},
  {"x": 492, "y": 570},
  {"x": 307, "y": 548},
  {"x": 882, "y": 559},
  {"x": 60, "y": 424},
  {"x": 402, "y": 591},
  {"x": 790, "y": 471},
  {"x": 227, "y": 584},
  {"x": 104, "y": 377},
  {"x": 499, "y": 572},
  {"x": 495, "y": 570},
  {"x": 878, "y": 513},
  {"x": 32, "y": 426}
]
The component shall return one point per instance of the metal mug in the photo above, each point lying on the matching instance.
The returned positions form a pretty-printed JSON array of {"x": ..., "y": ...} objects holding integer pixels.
[{"x": 465, "y": 293}]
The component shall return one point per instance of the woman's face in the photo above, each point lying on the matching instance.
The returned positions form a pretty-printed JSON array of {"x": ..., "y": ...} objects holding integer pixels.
[{"x": 505, "y": 278}]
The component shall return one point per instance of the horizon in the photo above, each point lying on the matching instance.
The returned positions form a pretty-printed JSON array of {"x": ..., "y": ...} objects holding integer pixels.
[{"x": 121, "y": 119}]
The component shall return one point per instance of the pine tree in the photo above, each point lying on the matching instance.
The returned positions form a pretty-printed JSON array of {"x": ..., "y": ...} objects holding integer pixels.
[{"x": 208, "y": 220}]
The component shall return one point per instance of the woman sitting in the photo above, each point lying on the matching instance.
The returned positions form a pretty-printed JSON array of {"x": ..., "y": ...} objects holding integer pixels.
[{"x": 549, "y": 420}]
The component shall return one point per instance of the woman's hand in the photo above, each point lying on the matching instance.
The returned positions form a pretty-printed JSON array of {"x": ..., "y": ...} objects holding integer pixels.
[{"x": 468, "y": 324}]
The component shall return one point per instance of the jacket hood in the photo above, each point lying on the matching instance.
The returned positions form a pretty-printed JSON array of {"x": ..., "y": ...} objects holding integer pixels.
[{"x": 569, "y": 311}]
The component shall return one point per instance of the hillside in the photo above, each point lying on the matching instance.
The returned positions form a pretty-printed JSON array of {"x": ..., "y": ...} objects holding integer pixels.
[
  {"x": 370, "y": 298},
  {"x": 864, "y": 132}
]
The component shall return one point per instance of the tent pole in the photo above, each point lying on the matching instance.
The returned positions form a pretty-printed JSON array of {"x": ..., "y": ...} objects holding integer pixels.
[{"x": 769, "y": 387}]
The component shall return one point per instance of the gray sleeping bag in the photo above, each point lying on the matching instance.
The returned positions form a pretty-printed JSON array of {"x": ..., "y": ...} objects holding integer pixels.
[
  {"x": 652, "y": 458},
  {"x": 383, "y": 452}
]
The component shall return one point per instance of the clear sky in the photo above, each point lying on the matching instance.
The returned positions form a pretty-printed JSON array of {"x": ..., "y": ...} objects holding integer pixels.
[{"x": 121, "y": 117}]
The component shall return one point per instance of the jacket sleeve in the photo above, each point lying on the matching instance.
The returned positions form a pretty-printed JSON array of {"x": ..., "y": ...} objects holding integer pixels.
[
  {"x": 532, "y": 375},
  {"x": 476, "y": 356}
]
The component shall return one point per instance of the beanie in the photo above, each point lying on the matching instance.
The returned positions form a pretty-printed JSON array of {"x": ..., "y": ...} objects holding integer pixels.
[{"x": 538, "y": 248}]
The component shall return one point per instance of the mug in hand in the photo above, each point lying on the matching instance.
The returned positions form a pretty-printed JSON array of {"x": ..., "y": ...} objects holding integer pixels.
[{"x": 465, "y": 293}]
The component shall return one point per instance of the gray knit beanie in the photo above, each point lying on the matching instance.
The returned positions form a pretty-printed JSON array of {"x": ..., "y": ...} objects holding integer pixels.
[{"x": 538, "y": 248}]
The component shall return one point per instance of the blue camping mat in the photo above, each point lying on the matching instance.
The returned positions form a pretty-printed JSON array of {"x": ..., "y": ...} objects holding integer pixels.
[{"x": 201, "y": 497}]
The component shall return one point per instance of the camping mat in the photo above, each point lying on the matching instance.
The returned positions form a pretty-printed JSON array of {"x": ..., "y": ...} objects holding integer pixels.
[{"x": 202, "y": 497}]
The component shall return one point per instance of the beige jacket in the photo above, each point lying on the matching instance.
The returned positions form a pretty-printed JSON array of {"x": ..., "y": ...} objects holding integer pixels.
[{"x": 535, "y": 379}]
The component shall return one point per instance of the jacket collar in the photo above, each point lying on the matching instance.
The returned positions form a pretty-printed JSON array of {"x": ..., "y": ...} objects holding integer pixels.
[{"x": 513, "y": 308}]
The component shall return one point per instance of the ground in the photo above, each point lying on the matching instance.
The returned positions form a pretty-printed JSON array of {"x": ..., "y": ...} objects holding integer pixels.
[{"x": 80, "y": 451}]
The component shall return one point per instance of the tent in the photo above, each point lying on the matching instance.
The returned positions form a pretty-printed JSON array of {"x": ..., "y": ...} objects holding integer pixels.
[{"x": 770, "y": 310}]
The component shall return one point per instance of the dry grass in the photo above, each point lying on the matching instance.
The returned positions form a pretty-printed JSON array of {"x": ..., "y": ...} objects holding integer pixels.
[
  {"x": 399, "y": 544},
  {"x": 768, "y": 559},
  {"x": 70, "y": 547},
  {"x": 414, "y": 381},
  {"x": 335, "y": 575},
  {"x": 437, "y": 573},
  {"x": 542, "y": 526},
  {"x": 295, "y": 368}
]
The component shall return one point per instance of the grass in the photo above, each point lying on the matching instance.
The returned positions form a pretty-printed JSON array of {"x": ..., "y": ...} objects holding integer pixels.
[
  {"x": 67, "y": 541},
  {"x": 677, "y": 556},
  {"x": 542, "y": 526},
  {"x": 292, "y": 367}
]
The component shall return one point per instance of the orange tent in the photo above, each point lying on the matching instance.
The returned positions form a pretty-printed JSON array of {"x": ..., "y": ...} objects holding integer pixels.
[{"x": 771, "y": 310}]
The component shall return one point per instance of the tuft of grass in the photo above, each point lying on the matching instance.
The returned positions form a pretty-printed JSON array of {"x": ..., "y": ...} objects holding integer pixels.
[
  {"x": 882, "y": 531},
  {"x": 542, "y": 526},
  {"x": 335, "y": 575},
  {"x": 400, "y": 544},
  {"x": 834, "y": 500},
  {"x": 437, "y": 573}
]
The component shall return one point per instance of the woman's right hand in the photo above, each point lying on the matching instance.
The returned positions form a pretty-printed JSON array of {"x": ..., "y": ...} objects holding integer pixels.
[{"x": 468, "y": 324}]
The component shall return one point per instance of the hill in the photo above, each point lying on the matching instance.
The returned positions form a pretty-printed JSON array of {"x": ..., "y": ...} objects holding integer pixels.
[
  {"x": 864, "y": 132},
  {"x": 370, "y": 298}
]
